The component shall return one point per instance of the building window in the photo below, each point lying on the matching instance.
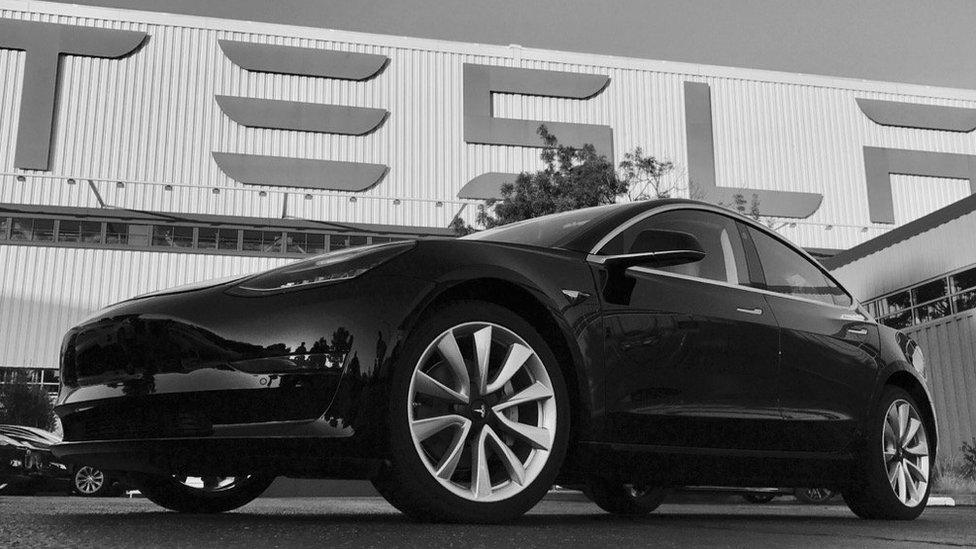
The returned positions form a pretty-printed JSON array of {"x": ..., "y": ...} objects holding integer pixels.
[
  {"x": 139, "y": 235},
  {"x": 338, "y": 242},
  {"x": 45, "y": 377},
  {"x": 116, "y": 233},
  {"x": 928, "y": 301},
  {"x": 172, "y": 236},
  {"x": 32, "y": 230},
  {"x": 79, "y": 231},
  {"x": 75, "y": 232},
  {"x": 217, "y": 239},
  {"x": 306, "y": 243},
  {"x": 262, "y": 241}
]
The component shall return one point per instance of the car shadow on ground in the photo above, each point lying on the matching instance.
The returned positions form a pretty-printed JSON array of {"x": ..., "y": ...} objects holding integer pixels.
[
  {"x": 367, "y": 523},
  {"x": 549, "y": 519}
]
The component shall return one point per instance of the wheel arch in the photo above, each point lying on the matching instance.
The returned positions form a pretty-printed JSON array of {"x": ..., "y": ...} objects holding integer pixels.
[
  {"x": 914, "y": 387},
  {"x": 531, "y": 305}
]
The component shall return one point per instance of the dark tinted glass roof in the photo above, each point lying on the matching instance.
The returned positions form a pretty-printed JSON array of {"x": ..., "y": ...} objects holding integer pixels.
[
  {"x": 577, "y": 230},
  {"x": 589, "y": 236}
]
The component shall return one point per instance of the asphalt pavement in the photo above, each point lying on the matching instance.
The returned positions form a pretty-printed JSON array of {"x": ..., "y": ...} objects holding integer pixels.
[{"x": 370, "y": 522}]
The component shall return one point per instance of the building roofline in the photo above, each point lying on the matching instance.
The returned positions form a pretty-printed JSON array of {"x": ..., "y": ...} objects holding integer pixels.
[
  {"x": 902, "y": 233},
  {"x": 511, "y": 51}
]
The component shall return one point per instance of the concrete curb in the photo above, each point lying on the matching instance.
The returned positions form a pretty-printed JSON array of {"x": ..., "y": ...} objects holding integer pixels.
[
  {"x": 941, "y": 501},
  {"x": 959, "y": 500}
]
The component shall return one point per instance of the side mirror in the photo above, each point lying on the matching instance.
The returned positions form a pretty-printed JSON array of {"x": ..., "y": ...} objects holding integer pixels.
[{"x": 658, "y": 247}]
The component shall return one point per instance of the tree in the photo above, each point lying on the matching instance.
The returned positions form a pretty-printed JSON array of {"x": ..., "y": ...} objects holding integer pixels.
[
  {"x": 572, "y": 178},
  {"x": 744, "y": 207},
  {"x": 647, "y": 177},
  {"x": 751, "y": 209},
  {"x": 24, "y": 403}
]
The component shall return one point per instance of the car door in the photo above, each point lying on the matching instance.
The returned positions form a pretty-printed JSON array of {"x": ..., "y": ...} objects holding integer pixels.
[
  {"x": 691, "y": 349},
  {"x": 829, "y": 348}
]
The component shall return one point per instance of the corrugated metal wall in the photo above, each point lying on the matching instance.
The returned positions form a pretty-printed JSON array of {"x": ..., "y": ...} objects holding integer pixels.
[
  {"x": 46, "y": 290},
  {"x": 151, "y": 120},
  {"x": 950, "y": 349},
  {"x": 927, "y": 255},
  {"x": 152, "y": 117}
]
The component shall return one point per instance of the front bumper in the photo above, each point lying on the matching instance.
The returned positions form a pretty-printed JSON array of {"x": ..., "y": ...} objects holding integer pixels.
[{"x": 188, "y": 380}]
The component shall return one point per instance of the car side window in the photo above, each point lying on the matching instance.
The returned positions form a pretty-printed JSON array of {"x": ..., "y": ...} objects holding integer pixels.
[
  {"x": 724, "y": 260},
  {"x": 788, "y": 272}
]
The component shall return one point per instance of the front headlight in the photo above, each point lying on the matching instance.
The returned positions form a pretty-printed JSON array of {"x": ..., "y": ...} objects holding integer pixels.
[
  {"x": 917, "y": 358},
  {"x": 323, "y": 269},
  {"x": 913, "y": 352}
]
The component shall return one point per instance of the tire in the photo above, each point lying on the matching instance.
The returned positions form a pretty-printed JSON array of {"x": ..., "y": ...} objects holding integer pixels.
[
  {"x": 758, "y": 498},
  {"x": 439, "y": 439},
  {"x": 874, "y": 496},
  {"x": 814, "y": 496},
  {"x": 179, "y": 496},
  {"x": 90, "y": 482},
  {"x": 629, "y": 500}
]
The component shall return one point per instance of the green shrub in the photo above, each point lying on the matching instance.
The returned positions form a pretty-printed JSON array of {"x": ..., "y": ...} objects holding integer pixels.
[
  {"x": 968, "y": 466},
  {"x": 23, "y": 403},
  {"x": 950, "y": 476}
]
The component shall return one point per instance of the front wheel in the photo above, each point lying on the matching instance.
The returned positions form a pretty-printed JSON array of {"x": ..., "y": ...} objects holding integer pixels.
[
  {"x": 202, "y": 494},
  {"x": 893, "y": 466},
  {"x": 625, "y": 499},
  {"x": 479, "y": 417}
]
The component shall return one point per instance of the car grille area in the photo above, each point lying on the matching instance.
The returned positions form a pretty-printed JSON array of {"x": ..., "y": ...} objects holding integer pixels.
[{"x": 118, "y": 423}]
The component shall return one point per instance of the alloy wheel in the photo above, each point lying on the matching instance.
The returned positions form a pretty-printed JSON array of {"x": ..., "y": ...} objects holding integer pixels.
[
  {"x": 906, "y": 452},
  {"x": 88, "y": 480},
  {"x": 482, "y": 411}
]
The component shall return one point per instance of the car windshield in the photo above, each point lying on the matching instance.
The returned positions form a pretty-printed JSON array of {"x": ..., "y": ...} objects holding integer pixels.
[{"x": 545, "y": 231}]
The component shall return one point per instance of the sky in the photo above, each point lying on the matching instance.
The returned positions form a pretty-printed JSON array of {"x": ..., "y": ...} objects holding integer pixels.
[{"x": 930, "y": 42}]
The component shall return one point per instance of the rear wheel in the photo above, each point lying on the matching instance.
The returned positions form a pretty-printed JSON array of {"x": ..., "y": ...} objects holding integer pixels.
[
  {"x": 479, "y": 418},
  {"x": 625, "y": 499},
  {"x": 210, "y": 494},
  {"x": 758, "y": 497},
  {"x": 814, "y": 496},
  {"x": 893, "y": 467}
]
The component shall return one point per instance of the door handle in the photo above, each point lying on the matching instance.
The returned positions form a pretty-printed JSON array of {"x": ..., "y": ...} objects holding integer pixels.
[
  {"x": 853, "y": 317},
  {"x": 756, "y": 311},
  {"x": 857, "y": 331}
]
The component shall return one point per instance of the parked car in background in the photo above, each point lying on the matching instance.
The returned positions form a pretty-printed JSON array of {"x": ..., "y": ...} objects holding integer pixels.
[
  {"x": 811, "y": 496},
  {"x": 29, "y": 467}
]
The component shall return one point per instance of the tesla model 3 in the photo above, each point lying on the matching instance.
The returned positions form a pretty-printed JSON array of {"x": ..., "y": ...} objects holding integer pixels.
[{"x": 623, "y": 349}]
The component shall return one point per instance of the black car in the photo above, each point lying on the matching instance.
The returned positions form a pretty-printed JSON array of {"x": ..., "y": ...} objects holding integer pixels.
[
  {"x": 27, "y": 466},
  {"x": 624, "y": 349}
]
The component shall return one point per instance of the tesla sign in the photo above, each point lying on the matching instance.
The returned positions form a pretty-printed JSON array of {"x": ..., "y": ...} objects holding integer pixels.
[{"x": 45, "y": 43}]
